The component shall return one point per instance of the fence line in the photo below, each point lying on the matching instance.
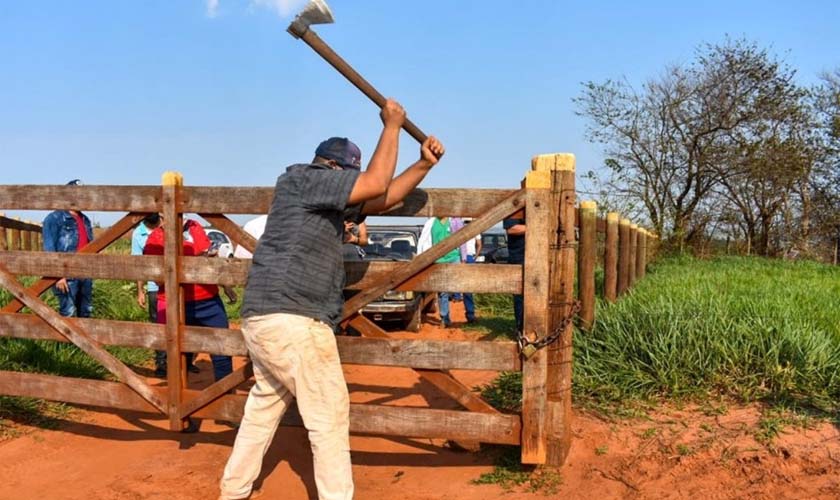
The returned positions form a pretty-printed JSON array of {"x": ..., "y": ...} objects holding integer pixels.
[
  {"x": 19, "y": 235},
  {"x": 556, "y": 232}
]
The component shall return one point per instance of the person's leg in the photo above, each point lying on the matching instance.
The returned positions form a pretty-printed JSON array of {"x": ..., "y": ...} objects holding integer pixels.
[
  {"x": 160, "y": 356},
  {"x": 518, "y": 311},
  {"x": 266, "y": 404},
  {"x": 189, "y": 319},
  {"x": 84, "y": 298},
  {"x": 301, "y": 354},
  {"x": 443, "y": 308},
  {"x": 211, "y": 313},
  {"x": 469, "y": 303},
  {"x": 324, "y": 405},
  {"x": 66, "y": 301}
]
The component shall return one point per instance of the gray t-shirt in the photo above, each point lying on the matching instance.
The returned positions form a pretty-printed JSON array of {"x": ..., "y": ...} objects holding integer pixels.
[{"x": 297, "y": 266}]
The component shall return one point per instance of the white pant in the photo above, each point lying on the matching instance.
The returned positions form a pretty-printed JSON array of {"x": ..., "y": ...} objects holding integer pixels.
[{"x": 293, "y": 356}]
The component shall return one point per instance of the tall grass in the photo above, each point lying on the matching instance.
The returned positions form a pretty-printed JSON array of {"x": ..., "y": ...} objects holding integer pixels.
[
  {"x": 745, "y": 327},
  {"x": 749, "y": 328}
]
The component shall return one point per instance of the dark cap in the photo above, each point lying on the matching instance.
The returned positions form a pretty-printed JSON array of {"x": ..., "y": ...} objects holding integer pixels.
[
  {"x": 342, "y": 151},
  {"x": 75, "y": 182},
  {"x": 152, "y": 219}
]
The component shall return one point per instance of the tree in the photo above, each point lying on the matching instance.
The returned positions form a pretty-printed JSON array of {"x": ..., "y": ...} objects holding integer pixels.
[{"x": 723, "y": 118}]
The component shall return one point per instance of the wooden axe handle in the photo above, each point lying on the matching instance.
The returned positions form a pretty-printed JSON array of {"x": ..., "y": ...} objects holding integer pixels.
[{"x": 329, "y": 55}]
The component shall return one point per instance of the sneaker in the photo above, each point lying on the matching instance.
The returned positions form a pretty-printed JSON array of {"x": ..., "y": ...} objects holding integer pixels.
[{"x": 472, "y": 319}]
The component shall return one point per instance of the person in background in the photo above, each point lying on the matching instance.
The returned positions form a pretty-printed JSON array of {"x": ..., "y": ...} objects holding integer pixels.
[
  {"x": 515, "y": 229},
  {"x": 469, "y": 252},
  {"x": 202, "y": 304},
  {"x": 69, "y": 231},
  {"x": 434, "y": 231},
  {"x": 255, "y": 227},
  {"x": 148, "y": 299},
  {"x": 355, "y": 237}
]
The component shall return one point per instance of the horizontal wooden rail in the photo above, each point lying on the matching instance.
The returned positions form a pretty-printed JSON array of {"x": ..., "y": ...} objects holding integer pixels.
[
  {"x": 428, "y": 354},
  {"x": 364, "y": 419},
  {"x": 228, "y": 200},
  {"x": 475, "y": 278},
  {"x": 18, "y": 224}
]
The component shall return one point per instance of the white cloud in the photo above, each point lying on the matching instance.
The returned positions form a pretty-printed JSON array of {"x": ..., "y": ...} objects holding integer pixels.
[
  {"x": 212, "y": 8},
  {"x": 284, "y": 8}
]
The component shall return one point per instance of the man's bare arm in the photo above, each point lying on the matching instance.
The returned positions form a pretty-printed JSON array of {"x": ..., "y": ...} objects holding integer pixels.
[
  {"x": 430, "y": 153},
  {"x": 516, "y": 230},
  {"x": 374, "y": 181}
]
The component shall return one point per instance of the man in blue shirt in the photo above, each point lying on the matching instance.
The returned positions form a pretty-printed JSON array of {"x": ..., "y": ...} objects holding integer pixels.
[{"x": 69, "y": 231}]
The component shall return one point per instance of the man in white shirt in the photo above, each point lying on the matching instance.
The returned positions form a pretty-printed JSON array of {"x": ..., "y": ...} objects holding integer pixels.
[{"x": 254, "y": 227}]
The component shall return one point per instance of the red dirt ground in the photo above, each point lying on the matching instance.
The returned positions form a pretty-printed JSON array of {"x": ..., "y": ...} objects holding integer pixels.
[{"x": 675, "y": 454}]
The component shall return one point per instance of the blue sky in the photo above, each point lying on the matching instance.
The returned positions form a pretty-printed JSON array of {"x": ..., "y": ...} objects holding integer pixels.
[{"x": 118, "y": 92}]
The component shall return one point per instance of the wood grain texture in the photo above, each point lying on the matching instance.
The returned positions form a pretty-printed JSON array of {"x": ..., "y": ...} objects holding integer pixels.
[
  {"x": 641, "y": 255},
  {"x": 586, "y": 265},
  {"x": 611, "y": 257},
  {"x": 9, "y": 223},
  {"x": 419, "y": 353},
  {"x": 80, "y": 338},
  {"x": 364, "y": 419},
  {"x": 92, "y": 198},
  {"x": 535, "y": 290},
  {"x": 623, "y": 256},
  {"x": 173, "y": 249},
  {"x": 631, "y": 260}
]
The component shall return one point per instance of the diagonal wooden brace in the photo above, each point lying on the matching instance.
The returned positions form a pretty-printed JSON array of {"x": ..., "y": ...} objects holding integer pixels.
[
  {"x": 438, "y": 378},
  {"x": 217, "y": 390},
  {"x": 111, "y": 235},
  {"x": 232, "y": 229},
  {"x": 508, "y": 206},
  {"x": 78, "y": 337}
]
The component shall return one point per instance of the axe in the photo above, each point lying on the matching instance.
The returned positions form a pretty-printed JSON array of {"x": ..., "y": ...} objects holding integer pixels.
[{"x": 317, "y": 12}]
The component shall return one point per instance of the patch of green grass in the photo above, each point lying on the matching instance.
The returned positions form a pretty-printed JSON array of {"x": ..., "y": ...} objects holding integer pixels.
[
  {"x": 684, "y": 450},
  {"x": 505, "y": 392},
  {"x": 509, "y": 473},
  {"x": 601, "y": 450},
  {"x": 111, "y": 300},
  {"x": 774, "y": 421}
]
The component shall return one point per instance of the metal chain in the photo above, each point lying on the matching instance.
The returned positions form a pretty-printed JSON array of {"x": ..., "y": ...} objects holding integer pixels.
[{"x": 529, "y": 348}]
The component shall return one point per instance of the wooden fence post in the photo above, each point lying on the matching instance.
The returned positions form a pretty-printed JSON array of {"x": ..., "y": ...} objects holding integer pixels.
[
  {"x": 25, "y": 238},
  {"x": 586, "y": 262},
  {"x": 176, "y": 370},
  {"x": 535, "y": 284},
  {"x": 611, "y": 257},
  {"x": 15, "y": 245},
  {"x": 634, "y": 246},
  {"x": 641, "y": 254},
  {"x": 561, "y": 300},
  {"x": 623, "y": 256},
  {"x": 4, "y": 241}
]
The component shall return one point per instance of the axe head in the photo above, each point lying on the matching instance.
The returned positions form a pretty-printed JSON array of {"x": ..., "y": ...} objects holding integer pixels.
[{"x": 315, "y": 12}]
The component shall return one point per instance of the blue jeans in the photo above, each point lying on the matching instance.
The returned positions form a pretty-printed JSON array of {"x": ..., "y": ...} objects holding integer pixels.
[
  {"x": 443, "y": 306},
  {"x": 518, "y": 310},
  {"x": 469, "y": 303},
  {"x": 210, "y": 313},
  {"x": 78, "y": 301}
]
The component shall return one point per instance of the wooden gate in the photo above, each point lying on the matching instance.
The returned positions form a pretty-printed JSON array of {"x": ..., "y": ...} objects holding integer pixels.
[{"x": 546, "y": 199}]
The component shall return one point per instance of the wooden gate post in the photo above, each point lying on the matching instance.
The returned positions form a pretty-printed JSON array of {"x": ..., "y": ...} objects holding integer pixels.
[
  {"x": 623, "y": 256},
  {"x": 535, "y": 283},
  {"x": 586, "y": 262},
  {"x": 641, "y": 254},
  {"x": 173, "y": 249},
  {"x": 611, "y": 257},
  {"x": 631, "y": 262},
  {"x": 562, "y": 249}
]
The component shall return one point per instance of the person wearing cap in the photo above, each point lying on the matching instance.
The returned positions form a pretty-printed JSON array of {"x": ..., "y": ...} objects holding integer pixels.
[
  {"x": 69, "y": 231},
  {"x": 515, "y": 229},
  {"x": 293, "y": 301}
]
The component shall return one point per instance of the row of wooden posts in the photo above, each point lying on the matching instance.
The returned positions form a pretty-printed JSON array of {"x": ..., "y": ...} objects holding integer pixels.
[
  {"x": 627, "y": 248},
  {"x": 16, "y": 234},
  {"x": 546, "y": 281}
]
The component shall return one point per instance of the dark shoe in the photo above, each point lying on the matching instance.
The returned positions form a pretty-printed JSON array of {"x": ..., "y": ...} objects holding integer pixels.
[
  {"x": 193, "y": 369},
  {"x": 160, "y": 372},
  {"x": 472, "y": 320}
]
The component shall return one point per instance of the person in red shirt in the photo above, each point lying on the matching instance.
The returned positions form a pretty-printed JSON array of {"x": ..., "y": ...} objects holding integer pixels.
[{"x": 202, "y": 304}]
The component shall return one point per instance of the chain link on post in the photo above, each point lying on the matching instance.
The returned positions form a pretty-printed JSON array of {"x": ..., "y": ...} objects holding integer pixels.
[{"x": 529, "y": 347}]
